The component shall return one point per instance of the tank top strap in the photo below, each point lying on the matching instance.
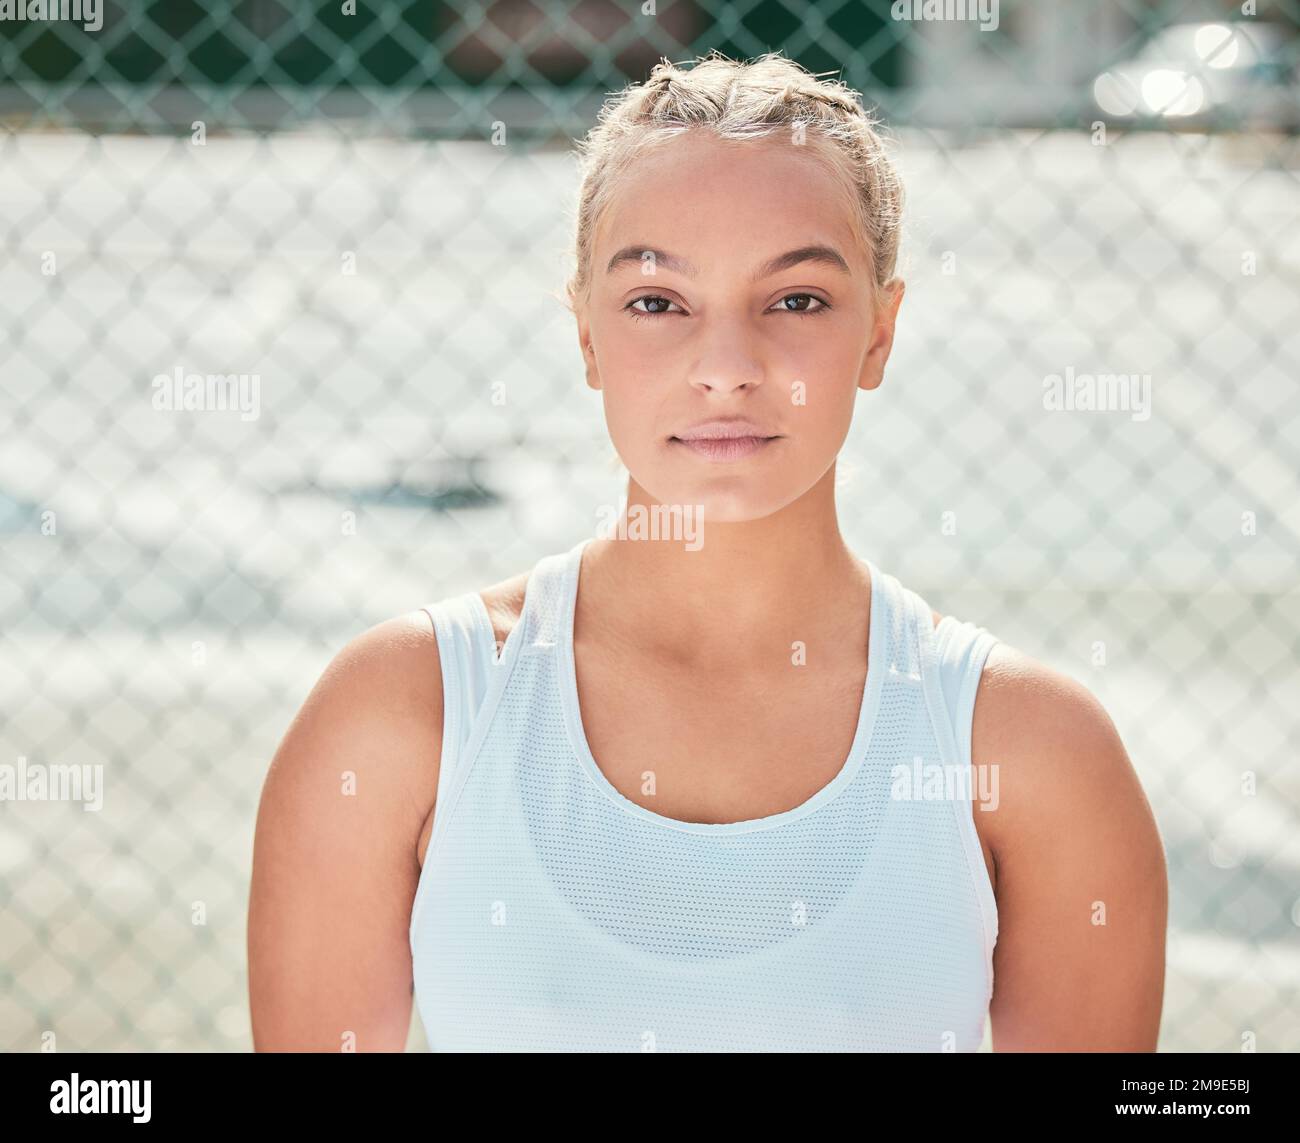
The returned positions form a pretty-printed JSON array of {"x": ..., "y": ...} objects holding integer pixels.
[
  {"x": 476, "y": 668},
  {"x": 550, "y": 593},
  {"x": 888, "y": 608},
  {"x": 943, "y": 659},
  {"x": 467, "y": 654},
  {"x": 949, "y": 659},
  {"x": 952, "y": 660},
  {"x": 961, "y": 649},
  {"x": 923, "y": 654}
]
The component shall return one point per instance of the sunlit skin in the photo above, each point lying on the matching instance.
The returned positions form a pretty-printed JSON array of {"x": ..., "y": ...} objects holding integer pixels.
[{"x": 683, "y": 657}]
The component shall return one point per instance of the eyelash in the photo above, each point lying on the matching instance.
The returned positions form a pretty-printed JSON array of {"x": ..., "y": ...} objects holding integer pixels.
[{"x": 638, "y": 315}]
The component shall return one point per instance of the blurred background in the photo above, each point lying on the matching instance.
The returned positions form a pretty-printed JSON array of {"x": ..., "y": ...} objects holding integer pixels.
[{"x": 370, "y": 214}]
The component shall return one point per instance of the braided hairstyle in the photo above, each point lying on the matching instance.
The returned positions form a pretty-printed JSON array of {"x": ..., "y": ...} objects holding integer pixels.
[{"x": 765, "y": 97}]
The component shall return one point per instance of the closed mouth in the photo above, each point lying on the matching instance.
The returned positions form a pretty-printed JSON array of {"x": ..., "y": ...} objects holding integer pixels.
[{"x": 737, "y": 437}]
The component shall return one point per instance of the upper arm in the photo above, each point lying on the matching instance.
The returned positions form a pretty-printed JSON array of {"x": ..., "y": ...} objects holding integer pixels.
[
  {"x": 1082, "y": 890},
  {"x": 334, "y": 858}
]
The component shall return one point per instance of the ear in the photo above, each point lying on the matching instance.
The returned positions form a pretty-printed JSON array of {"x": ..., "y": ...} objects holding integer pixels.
[
  {"x": 584, "y": 346},
  {"x": 882, "y": 336}
]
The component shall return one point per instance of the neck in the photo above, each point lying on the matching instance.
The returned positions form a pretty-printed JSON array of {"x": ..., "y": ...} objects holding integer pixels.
[{"x": 713, "y": 591}]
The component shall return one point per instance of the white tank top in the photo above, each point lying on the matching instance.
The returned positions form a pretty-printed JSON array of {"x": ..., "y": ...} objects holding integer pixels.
[{"x": 554, "y": 914}]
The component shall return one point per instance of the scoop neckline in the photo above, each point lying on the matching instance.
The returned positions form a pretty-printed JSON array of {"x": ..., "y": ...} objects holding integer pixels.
[{"x": 867, "y": 713}]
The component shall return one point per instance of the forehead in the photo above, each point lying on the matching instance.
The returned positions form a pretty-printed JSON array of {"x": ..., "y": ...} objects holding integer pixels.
[{"x": 719, "y": 201}]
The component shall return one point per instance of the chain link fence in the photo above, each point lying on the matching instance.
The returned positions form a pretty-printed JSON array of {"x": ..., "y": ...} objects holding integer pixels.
[{"x": 362, "y": 216}]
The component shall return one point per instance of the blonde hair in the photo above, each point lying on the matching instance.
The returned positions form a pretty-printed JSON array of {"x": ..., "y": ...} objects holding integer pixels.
[{"x": 736, "y": 100}]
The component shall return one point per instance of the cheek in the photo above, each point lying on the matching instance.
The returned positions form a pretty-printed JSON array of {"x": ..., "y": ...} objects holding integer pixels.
[
  {"x": 821, "y": 410},
  {"x": 630, "y": 415}
]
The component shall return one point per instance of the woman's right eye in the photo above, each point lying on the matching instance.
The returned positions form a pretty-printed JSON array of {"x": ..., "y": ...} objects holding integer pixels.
[{"x": 652, "y": 299}]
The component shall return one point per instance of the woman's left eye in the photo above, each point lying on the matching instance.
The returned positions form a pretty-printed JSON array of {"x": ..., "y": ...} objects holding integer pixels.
[{"x": 821, "y": 305}]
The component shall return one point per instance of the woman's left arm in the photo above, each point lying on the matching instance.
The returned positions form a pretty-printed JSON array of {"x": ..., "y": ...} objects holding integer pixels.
[{"x": 1082, "y": 887}]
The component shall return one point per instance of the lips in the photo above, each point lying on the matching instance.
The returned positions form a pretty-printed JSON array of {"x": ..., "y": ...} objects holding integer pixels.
[{"x": 723, "y": 430}]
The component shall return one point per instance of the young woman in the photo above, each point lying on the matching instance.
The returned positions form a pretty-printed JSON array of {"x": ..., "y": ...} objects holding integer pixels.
[{"x": 675, "y": 795}]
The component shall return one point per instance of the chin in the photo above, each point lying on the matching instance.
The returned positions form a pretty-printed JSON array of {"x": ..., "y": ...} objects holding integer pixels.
[
  {"x": 729, "y": 500},
  {"x": 735, "y": 509}
]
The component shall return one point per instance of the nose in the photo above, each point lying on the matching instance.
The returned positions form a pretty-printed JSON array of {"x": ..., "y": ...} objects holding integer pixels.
[
  {"x": 723, "y": 383},
  {"x": 726, "y": 365}
]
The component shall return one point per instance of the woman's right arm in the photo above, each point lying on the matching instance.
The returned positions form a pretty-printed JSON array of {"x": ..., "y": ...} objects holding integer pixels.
[{"x": 334, "y": 853}]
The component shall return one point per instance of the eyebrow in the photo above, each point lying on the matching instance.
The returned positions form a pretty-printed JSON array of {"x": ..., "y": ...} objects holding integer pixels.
[{"x": 823, "y": 255}]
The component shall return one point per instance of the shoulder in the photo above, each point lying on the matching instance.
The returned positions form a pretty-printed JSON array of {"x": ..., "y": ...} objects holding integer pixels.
[
  {"x": 1067, "y": 786},
  {"x": 335, "y": 861},
  {"x": 354, "y": 776},
  {"x": 385, "y": 684},
  {"x": 1082, "y": 886},
  {"x": 392, "y": 666},
  {"x": 1032, "y": 713},
  {"x": 377, "y": 706},
  {"x": 377, "y": 713}
]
